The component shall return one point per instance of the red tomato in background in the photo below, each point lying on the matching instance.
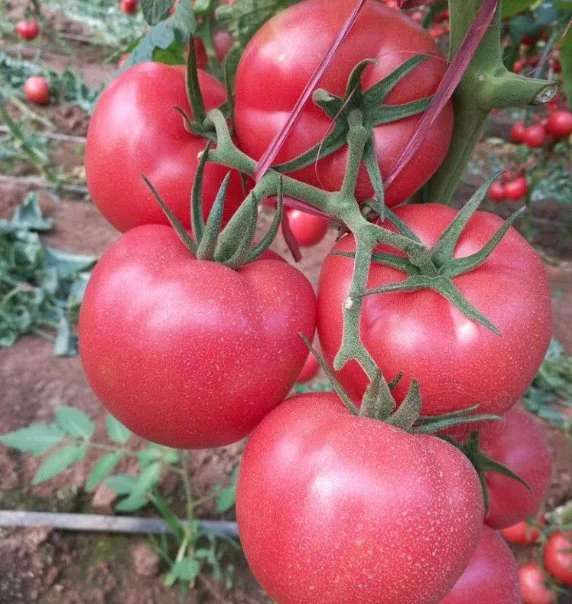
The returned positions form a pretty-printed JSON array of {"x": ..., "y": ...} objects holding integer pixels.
[
  {"x": 519, "y": 444},
  {"x": 534, "y": 136},
  {"x": 191, "y": 354},
  {"x": 559, "y": 124},
  {"x": 284, "y": 54},
  {"x": 28, "y": 30},
  {"x": 222, "y": 42},
  {"x": 496, "y": 191},
  {"x": 491, "y": 576},
  {"x": 457, "y": 362},
  {"x": 37, "y": 90},
  {"x": 516, "y": 189},
  {"x": 532, "y": 585},
  {"x": 517, "y": 132},
  {"x": 308, "y": 229},
  {"x": 135, "y": 130},
  {"x": 334, "y": 508},
  {"x": 521, "y": 533},
  {"x": 309, "y": 371},
  {"x": 129, "y": 6},
  {"x": 558, "y": 557}
]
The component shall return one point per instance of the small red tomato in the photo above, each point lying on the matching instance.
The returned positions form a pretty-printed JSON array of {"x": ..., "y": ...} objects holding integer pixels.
[
  {"x": 558, "y": 557},
  {"x": 516, "y": 189},
  {"x": 27, "y": 30},
  {"x": 517, "y": 132},
  {"x": 532, "y": 587},
  {"x": 37, "y": 90},
  {"x": 556, "y": 66},
  {"x": 441, "y": 16},
  {"x": 309, "y": 371},
  {"x": 436, "y": 31},
  {"x": 491, "y": 576},
  {"x": 496, "y": 192},
  {"x": 559, "y": 124},
  {"x": 222, "y": 42},
  {"x": 528, "y": 40},
  {"x": 129, "y": 6},
  {"x": 518, "y": 65},
  {"x": 308, "y": 229},
  {"x": 521, "y": 533},
  {"x": 534, "y": 136}
]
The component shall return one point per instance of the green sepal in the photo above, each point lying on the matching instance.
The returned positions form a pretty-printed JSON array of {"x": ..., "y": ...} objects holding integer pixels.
[
  {"x": 387, "y": 114},
  {"x": 207, "y": 246},
  {"x": 330, "y": 104},
  {"x": 242, "y": 252},
  {"x": 197, "y": 216},
  {"x": 186, "y": 239},
  {"x": 338, "y": 389},
  {"x": 374, "y": 173},
  {"x": 396, "y": 262},
  {"x": 432, "y": 424},
  {"x": 377, "y": 402},
  {"x": 400, "y": 225},
  {"x": 194, "y": 93},
  {"x": 408, "y": 412}
]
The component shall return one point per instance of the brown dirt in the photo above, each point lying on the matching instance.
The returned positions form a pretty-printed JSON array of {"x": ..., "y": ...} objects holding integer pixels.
[{"x": 43, "y": 566}]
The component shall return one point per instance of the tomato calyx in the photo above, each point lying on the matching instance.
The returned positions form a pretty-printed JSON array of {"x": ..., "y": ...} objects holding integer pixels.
[
  {"x": 484, "y": 464},
  {"x": 209, "y": 242},
  {"x": 375, "y": 113},
  {"x": 438, "y": 273}
]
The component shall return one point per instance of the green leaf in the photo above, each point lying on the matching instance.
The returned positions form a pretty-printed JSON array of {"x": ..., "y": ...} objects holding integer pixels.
[
  {"x": 566, "y": 61},
  {"x": 511, "y": 8},
  {"x": 150, "y": 454},
  {"x": 134, "y": 502},
  {"x": 36, "y": 439},
  {"x": 148, "y": 478},
  {"x": 58, "y": 462},
  {"x": 29, "y": 215},
  {"x": 102, "y": 468},
  {"x": 121, "y": 484},
  {"x": 116, "y": 431},
  {"x": 187, "y": 569},
  {"x": 75, "y": 422},
  {"x": 155, "y": 10}
]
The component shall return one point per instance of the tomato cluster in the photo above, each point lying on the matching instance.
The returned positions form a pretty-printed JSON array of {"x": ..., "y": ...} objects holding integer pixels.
[{"x": 191, "y": 348}]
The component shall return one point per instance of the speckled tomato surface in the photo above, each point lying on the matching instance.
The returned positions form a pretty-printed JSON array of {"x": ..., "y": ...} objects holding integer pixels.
[
  {"x": 339, "y": 509},
  {"x": 491, "y": 576},
  {"x": 457, "y": 362},
  {"x": 187, "y": 353}
]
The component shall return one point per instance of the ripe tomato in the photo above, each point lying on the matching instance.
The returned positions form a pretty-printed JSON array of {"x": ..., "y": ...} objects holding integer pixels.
[
  {"x": 309, "y": 371},
  {"x": 534, "y": 136},
  {"x": 457, "y": 362},
  {"x": 516, "y": 189},
  {"x": 491, "y": 576},
  {"x": 129, "y": 6},
  {"x": 331, "y": 508},
  {"x": 284, "y": 54},
  {"x": 135, "y": 130},
  {"x": 496, "y": 191},
  {"x": 521, "y": 533},
  {"x": 517, "y": 132},
  {"x": 191, "y": 354},
  {"x": 559, "y": 124},
  {"x": 222, "y": 42},
  {"x": 519, "y": 444},
  {"x": 532, "y": 585},
  {"x": 28, "y": 30},
  {"x": 558, "y": 557},
  {"x": 37, "y": 90},
  {"x": 308, "y": 229}
]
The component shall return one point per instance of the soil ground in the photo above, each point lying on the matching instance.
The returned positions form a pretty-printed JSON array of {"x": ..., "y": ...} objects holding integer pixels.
[{"x": 39, "y": 565}]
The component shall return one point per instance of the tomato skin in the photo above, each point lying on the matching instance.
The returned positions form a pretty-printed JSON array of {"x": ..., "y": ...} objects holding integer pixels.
[
  {"x": 309, "y": 371},
  {"x": 37, "y": 90},
  {"x": 284, "y": 54},
  {"x": 324, "y": 497},
  {"x": 191, "y": 354},
  {"x": 521, "y": 533},
  {"x": 534, "y": 136},
  {"x": 129, "y": 6},
  {"x": 28, "y": 30},
  {"x": 517, "y": 132},
  {"x": 516, "y": 189},
  {"x": 559, "y": 124},
  {"x": 532, "y": 587},
  {"x": 135, "y": 130},
  {"x": 491, "y": 576},
  {"x": 308, "y": 229},
  {"x": 558, "y": 557},
  {"x": 496, "y": 191},
  {"x": 457, "y": 362}
]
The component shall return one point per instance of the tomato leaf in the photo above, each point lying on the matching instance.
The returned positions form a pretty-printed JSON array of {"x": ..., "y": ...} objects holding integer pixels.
[
  {"x": 566, "y": 61},
  {"x": 511, "y": 8},
  {"x": 121, "y": 484},
  {"x": 102, "y": 469},
  {"x": 75, "y": 422},
  {"x": 36, "y": 439},
  {"x": 116, "y": 431},
  {"x": 58, "y": 462},
  {"x": 187, "y": 569},
  {"x": 155, "y": 10}
]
